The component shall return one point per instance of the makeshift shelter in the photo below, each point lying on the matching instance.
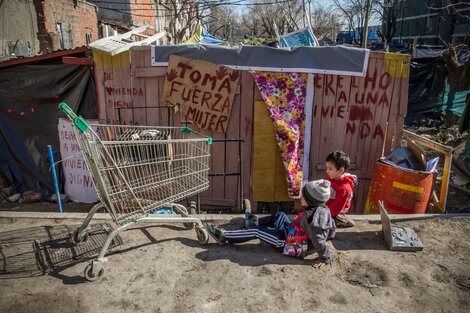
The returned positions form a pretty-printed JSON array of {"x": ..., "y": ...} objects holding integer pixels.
[
  {"x": 30, "y": 90},
  {"x": 430, "y": 89},
  {"x": 355, "y": 101}
]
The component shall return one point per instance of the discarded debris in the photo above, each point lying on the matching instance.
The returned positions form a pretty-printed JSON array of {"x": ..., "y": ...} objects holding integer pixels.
[
  {"x": 30, "y": 196},
  {"x": 14, "y": 198},
  {"x": 63, "y": 198}
]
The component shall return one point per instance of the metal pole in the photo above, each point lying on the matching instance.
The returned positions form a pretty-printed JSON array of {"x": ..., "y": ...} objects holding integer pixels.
[
  {"x": 240, "y": 166},
  {"x": 365, "y": 30},
  {"x": 51, "y": 157}
]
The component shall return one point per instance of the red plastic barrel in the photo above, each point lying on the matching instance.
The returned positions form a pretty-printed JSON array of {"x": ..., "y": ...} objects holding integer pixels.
[{"x": 402, "y": 190}]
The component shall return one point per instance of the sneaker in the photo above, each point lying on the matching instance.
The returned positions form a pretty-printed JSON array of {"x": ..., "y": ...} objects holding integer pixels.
[
  {"x": 343, "y": 221},
  {"x": 216, "y": 234}
]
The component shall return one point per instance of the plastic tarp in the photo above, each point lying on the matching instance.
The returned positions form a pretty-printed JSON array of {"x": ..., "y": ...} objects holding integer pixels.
[
  {"x": 464, "y": 125},
  {"x": 202, "y": 36},
  {"x": 426, "y": 88},
  {"x": 350, "y": 36},
  {"x": 29, "y": 115},
  {"x": 454, "y": 101},
  {"x": 299, "y": 38},
  {"x": 325, "y": 60}
]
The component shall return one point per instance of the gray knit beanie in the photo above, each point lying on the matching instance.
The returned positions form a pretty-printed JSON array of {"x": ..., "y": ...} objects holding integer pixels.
[{"x": 316, "y": 192}]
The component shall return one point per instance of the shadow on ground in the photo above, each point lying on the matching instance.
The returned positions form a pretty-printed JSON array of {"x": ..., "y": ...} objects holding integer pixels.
[
  {"x": 44, "y": 250},
  {"x": 359, "y": 240}
]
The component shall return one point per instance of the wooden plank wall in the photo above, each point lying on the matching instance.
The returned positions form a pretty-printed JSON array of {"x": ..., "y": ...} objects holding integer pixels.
[
  {"x": 359, "y": 115},
  {"x": 354, "y": 114},
  {"x": 146, "y": 83}
]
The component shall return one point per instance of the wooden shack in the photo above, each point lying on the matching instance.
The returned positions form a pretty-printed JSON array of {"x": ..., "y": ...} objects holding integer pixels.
[{"x": 361, "y": 115}]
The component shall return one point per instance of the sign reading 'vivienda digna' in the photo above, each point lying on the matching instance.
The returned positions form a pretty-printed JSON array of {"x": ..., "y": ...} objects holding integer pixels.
[
  {"x": 203, "y": 90},
  {"x": 78, "y": 183}
]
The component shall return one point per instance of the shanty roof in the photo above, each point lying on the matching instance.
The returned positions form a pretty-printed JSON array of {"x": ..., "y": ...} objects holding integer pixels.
[
  {"x": 64, "y": 54},
  {"x": 337, "y": 60},
  {"x": 120, "y": 43}
]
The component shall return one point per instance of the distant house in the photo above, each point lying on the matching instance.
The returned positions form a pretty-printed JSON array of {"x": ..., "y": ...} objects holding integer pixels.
[
  {"x": 432, "y": 22},
  {"x": 120, "y": 16},
  {"x": 32, "y": 27}
]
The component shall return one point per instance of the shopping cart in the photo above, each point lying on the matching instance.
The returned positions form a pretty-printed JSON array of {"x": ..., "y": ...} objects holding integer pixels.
[{"x": 137, "y": 170}]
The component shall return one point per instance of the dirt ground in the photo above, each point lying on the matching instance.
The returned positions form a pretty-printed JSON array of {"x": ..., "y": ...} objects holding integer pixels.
[{"x": 162, "y": 268}]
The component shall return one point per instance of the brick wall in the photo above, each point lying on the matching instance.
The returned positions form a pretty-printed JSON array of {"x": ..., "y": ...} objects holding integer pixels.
[
  {"x": 76, "y": 18},
  {"x": 143, "y": 12}
]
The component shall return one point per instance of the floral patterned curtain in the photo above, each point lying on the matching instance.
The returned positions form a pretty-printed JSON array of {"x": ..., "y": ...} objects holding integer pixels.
[{"x": 284, "y": 96}]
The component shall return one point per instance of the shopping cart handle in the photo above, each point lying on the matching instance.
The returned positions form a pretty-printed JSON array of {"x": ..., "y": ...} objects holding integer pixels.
[
  {"x": 188, "y": 131},
  {"x": 78, "y": 121}
]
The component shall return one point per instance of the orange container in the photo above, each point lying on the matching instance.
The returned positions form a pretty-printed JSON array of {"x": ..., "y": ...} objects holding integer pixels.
[{"x": 402, "y": 190}]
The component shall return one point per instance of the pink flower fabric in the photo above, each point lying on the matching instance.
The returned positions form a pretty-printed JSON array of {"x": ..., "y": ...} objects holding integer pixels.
[{"x": 284, "y": 96}]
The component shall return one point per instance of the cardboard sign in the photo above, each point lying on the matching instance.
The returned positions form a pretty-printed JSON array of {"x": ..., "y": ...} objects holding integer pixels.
[
  {"x": 78, "y": 183},
  {"x": 202, "y": 89}
]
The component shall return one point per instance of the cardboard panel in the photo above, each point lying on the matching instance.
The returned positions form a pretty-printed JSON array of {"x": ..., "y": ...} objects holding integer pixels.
[{"x": 268, "y": 172}]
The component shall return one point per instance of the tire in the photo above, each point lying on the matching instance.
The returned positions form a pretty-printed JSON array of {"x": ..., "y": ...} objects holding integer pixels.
[
  {"x": 202, "y": 235},
  {"x": 89, "y": 273}
]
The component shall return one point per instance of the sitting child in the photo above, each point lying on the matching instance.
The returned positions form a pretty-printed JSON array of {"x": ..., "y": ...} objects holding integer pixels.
[
  {"x": 312, "y": 223},
  {"x": 342, "y": 185}
]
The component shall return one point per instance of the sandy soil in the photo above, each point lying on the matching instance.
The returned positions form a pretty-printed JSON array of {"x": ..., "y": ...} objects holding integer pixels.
[{"x": 162, "y": 268}]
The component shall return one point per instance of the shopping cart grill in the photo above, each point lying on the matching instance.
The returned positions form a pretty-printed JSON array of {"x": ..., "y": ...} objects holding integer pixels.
[{"x": 137, "y": 170}]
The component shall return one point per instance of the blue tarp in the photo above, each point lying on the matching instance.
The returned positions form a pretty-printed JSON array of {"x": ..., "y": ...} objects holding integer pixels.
[
  {"x": 202, "y": 36},
  {"x": 349, "y": 36}
]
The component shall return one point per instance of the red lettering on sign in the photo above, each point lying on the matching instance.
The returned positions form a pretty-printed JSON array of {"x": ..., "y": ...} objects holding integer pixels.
[
  {"x": 328, "y": 84},
  {"x": 338, "y": 81},
  {"x": 184, "y": 67},
  {"x": 316, "y": 81},
  {"x": 341, "y": 109},
  {"x": 342, "y": 96},
  {"x": 383, "y": 99},
  {"x": 371, "y": 79},
  {"x": 385, "y": 80},
  {"x": 195, "y": 76}
]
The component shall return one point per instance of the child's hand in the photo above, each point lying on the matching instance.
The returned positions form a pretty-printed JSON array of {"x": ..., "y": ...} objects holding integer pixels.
[{"x": 318, "y": 263}]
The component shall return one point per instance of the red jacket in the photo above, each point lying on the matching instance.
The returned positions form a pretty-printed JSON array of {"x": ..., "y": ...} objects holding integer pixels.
[{"x": 341, "y": 194}]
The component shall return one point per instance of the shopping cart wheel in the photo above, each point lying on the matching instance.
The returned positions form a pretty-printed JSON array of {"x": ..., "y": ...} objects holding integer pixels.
[
  {"x": 202, "y": 235},
  {"x": 78, "y": 240},
  {"x": 89, "y": 272},
  {"x": 186, "y": 225}
]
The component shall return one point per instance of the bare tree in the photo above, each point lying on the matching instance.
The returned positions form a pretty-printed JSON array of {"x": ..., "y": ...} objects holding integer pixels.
[
  {"x": 325, "y": 24},
  {"x": 259, "y": 20},
  {"x": 388, "y": 10},
  {"x": 224, "y": 22},
  {"x": 183, "y": 16},
  {"x": 354, "y": 12}
]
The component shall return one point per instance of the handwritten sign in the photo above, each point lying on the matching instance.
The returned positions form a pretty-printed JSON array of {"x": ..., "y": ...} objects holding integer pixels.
[
  {"x": 362, "y": 101},
  {"x": 202, "y": 89},
  {"x": 78, "y": 183}
]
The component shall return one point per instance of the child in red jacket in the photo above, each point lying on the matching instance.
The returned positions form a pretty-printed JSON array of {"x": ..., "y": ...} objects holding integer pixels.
[{"x": 342, "y": 185}]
